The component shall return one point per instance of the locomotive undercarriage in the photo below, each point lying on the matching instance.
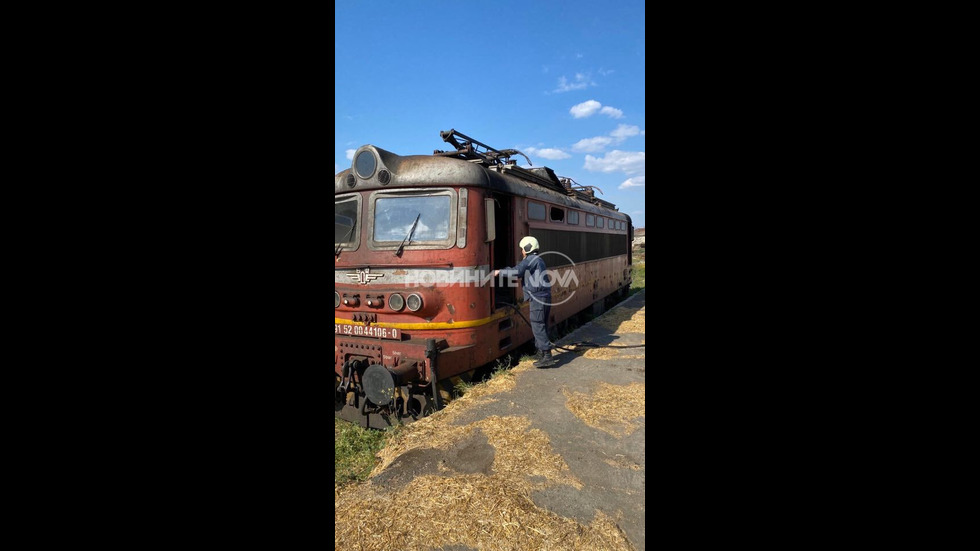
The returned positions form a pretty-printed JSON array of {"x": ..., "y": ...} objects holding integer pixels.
[
  {"x": 381, "y": 386},
  {"x": 411, "y": 402}
]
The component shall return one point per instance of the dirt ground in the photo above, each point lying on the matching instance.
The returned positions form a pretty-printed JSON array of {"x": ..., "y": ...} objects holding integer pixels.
[{"x": 532, "y": 459}]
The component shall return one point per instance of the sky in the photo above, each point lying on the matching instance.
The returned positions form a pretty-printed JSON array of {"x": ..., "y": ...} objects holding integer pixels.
[{"x": 563, "y": 82}]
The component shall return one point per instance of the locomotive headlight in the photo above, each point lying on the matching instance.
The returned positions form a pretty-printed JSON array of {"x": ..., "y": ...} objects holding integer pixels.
[
  {"x": 365, "y": 163},
  {"x": 414, "y": 302},
  {"x": 336, "y": 299},
  {"x": 396, "y": 301}
]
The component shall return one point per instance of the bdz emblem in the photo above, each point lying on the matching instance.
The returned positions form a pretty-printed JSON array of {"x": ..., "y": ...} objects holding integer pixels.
[{"x": 364, "y": 276}]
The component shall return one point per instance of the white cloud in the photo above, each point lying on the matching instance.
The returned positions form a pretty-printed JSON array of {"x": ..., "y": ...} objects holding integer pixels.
[
  {"x": 585, "y": 109},
  {"x": 336, "y": 168},
  {"x": 617, "y": 136},
  {"x": 591, "y": 107},
  {"x": 591, "y": 145},
  {"x": 604, "y": 72},
  {"x": 638, "y": 181},
  {"x": 612, "y": 112},
  {"x": 581, "y": 81},
  {"x": 548, "y": 153},
  {"x": 350, "y": 154},
  {"x": 624, "y": 131},
  {"x": 629, "y": 162}
]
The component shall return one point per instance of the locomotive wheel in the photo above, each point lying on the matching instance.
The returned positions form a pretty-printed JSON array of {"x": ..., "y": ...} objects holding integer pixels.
[
  {"x": 415, "y": 407},
  {"x": 423, "y": 405}
]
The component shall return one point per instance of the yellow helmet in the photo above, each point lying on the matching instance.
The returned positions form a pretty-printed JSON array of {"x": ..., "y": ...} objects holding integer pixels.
[{"x": 529, "y": 244}]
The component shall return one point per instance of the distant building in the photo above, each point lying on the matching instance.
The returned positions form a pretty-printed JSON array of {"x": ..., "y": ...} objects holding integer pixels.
[{"x": 640, "y": 237}]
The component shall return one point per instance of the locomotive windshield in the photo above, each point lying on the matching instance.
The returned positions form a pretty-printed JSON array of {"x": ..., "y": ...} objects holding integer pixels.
[
  {"x": 345, "y": 220},
  {"x": 394, "y": 217}
]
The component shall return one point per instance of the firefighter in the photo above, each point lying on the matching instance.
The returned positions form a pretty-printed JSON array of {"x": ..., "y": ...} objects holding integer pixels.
[{"x": 537, "y": 290}]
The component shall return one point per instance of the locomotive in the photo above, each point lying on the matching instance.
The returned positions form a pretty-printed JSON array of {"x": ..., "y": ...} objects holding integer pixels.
[{"x": 416, "y": 241}]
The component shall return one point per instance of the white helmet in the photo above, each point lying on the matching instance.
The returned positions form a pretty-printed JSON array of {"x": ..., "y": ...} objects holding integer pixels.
[{"x": 529, "y": 244}]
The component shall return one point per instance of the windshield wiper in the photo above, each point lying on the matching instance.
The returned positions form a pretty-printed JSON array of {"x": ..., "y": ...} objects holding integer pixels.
[
  {"x": 342, "y": 241},
  {"x": 408, "y": 237}
]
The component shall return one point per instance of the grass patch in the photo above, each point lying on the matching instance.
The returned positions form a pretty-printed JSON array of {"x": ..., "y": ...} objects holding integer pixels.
[
  {"x": 502, "y": 371},
  {"x": 462, "y": 388},
  {"x": 639, "y": 277},
  {"x": 354, "y": 450}
]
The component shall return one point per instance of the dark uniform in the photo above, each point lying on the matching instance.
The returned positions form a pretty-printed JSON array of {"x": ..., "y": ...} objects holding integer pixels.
[{"x": 537, "y": 290}]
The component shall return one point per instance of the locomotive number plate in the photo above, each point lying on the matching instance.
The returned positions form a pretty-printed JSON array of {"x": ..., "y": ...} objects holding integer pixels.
[{"x": 367, "y": 331}]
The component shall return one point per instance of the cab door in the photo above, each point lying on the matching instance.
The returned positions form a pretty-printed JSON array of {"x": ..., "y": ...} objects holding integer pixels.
[{"x": 502, "y": 252}]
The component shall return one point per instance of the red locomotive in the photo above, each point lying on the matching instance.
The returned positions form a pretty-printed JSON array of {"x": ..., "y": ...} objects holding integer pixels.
[{"x": 416, "y": 241}]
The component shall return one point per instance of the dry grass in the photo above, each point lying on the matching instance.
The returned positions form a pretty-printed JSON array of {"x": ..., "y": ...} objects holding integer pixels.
[
  {"x": 620, "y": 320},
  {"x": 482, "y": 511},
  {"x": 606, "y": 353},
  {"x": 519, "y": 453},
  {"x": 624, "y": 320},
  {"x": 473, "y": 510},
  {"x": 620, "y": 462},
  {"x": 492, "y": 511},
  {"x": 437, "y": 429},
  {"x": 611, "y": 408},
  {"x": 601, "y": 353}
]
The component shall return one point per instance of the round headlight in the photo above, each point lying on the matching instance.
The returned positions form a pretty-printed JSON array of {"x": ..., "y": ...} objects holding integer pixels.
[
  {"x": 396, "y": 301},
  {"x": 336, "y": 299},
  {"x": 364, "y": 164},
  {"x": 414, "y": 302}
]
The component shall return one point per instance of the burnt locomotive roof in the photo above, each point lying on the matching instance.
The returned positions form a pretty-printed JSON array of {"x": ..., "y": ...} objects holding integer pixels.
[{"x": 468, "y": 166}]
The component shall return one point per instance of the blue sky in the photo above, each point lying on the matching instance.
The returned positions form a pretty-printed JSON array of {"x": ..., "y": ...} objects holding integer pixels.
[{"x": 563, "y": 82}]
